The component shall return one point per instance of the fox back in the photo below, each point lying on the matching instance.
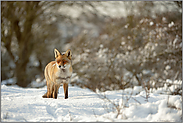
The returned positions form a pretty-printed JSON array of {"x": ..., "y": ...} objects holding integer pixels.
[{"x": 58, "y": 72}]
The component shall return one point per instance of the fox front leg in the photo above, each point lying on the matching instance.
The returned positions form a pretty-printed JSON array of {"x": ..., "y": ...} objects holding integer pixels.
[{"x": 65, "y": 86}]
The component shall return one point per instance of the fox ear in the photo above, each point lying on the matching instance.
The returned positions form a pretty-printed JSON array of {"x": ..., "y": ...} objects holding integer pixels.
[
  {"x": 57, "y": 53},
  {"x": 68, "y": 53}
]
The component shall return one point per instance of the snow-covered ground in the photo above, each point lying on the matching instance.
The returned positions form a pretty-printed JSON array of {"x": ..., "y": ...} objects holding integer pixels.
[{"x": 20, "y": 104}]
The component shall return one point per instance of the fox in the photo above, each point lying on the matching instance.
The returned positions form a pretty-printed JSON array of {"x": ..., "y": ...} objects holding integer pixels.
[{"x": 58, "y": 72}]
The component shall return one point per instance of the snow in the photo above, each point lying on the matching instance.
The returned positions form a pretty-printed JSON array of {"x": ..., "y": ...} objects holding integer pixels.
[
  {"x": 170, "y": 24},
  {"x": 9, "y": 81},
  {"x": 151, "y": 23},
  {"x": 26, "y": 104}
]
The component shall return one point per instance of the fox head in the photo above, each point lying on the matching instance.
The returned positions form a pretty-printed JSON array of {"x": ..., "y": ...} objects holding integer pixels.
[{"x": 63, "y": 60}]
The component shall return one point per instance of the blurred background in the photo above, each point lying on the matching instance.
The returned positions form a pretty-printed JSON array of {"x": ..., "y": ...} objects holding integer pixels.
[{"x": 115, "y": 44}]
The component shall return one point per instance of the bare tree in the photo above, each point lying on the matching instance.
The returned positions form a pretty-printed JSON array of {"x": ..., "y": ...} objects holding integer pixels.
[
  {"x": 19, "y": 22},
  {"x": 30, "y": 28}
]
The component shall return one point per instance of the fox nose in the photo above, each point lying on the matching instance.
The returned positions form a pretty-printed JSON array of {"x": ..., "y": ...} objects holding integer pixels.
[{"x": 62, "y": 67}]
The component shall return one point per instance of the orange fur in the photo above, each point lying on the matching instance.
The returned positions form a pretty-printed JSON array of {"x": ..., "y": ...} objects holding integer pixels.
[{"x": 58, "y": 72}]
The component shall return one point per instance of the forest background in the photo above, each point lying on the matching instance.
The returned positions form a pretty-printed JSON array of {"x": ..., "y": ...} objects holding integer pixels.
[{"x": 115, "y": 45}]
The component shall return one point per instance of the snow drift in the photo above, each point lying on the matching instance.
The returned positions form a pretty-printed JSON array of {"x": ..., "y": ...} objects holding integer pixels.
[{"x": 20, "y": 104}]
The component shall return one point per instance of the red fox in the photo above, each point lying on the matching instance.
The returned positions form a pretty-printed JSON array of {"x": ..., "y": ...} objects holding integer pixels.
[{"x": 58, "y": 72}]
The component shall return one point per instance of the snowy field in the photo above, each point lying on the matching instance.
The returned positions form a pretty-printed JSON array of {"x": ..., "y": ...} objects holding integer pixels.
[{"x": 129, "y": 105}]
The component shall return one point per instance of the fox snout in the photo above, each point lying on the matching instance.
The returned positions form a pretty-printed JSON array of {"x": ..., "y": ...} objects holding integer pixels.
[
  {"x": 62, "y": 67},
  {"x": 62, "y": 64}
]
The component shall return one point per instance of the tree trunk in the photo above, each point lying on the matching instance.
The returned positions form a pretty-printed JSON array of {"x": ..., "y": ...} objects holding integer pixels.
[
  {"x": 25, "y": 50},
  {"x": 20, "y": 73},
  {"x": 25, "y": 41}
]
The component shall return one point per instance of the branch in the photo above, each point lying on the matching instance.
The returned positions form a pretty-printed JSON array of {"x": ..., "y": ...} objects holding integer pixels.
[
  {"x": 178, "y": 3},
  {"x": 16, "y": 29},
  {"x": 8, "y": 47},
  {"x": 7, "y": 42},
  {"x": 43, "y": 6}
]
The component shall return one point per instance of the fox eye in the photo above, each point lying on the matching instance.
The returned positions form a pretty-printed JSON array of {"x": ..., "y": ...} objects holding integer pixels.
[
  {"x": 64, "y": 62},
  {"x": 58, "y": 61}
]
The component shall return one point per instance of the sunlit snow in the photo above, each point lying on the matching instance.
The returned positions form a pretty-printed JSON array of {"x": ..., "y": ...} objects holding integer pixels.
[{"x": 26, "y": 104}]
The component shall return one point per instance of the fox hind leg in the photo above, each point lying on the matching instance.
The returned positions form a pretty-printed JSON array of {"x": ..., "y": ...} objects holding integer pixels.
[
  {"x": 45, "y": 95},
  {"x": 55, "y": 91},
  {"x": 49, "y": 90}
]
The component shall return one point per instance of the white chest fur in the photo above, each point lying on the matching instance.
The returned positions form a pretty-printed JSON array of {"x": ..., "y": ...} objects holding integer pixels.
[{"x": 63, "y": 75}]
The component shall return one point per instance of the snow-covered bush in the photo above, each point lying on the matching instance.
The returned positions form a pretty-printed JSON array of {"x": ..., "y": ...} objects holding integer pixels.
[{"x": 129, "y": 53}]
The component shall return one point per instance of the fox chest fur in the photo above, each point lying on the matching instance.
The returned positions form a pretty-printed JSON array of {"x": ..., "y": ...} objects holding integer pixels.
[{"x": 58, "y": 75}]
